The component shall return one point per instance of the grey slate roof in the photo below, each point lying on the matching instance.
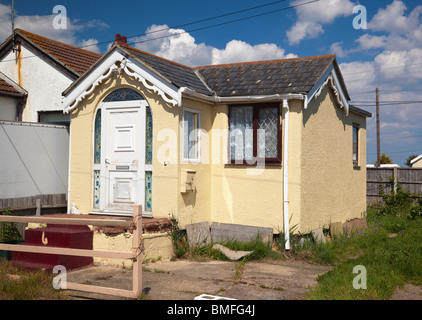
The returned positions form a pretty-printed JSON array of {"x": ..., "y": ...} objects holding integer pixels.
[
  {"x": 178, "y": 74},
  {"x": 296, "y": 75},
  {"x": 266, "y": 77}
]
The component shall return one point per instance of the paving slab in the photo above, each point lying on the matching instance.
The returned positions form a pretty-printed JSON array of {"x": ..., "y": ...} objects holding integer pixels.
[{"x": 184, "y": 280}]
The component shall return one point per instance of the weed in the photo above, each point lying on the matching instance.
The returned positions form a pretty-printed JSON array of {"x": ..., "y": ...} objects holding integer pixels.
[
  {"x": 390, "y": 262},
  {"x": 178, "y": 238},
  {"x": 24, "y": 285}
]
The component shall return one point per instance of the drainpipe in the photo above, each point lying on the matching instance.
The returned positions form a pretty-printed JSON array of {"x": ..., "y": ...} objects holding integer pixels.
[{"x": 286, "y": 176}]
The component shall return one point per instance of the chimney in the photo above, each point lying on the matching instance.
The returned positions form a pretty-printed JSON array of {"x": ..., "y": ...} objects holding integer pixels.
[{"x": 120, "y": 40}]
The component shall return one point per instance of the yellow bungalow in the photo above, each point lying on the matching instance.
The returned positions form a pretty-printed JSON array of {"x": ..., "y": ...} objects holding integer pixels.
[{"x": 267, "y": 143}]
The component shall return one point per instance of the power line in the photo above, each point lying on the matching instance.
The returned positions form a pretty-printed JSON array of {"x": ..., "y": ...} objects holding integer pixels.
[
  {"x": 387, "y": 68},
  {"x": 373, "y": 104},
  {"x": 202, "y": 20},
  {"x": 395, "y": 152},
  {"x": 227, "y": 22}
]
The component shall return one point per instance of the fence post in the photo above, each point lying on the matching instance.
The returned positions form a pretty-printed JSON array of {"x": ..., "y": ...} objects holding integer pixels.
[
  {"x": 395, "y": 177},
  {"x": 137, "y": 250}
]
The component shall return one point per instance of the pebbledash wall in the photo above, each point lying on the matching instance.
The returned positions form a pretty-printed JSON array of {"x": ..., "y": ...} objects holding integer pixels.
[{"x": 324, "y": 186}]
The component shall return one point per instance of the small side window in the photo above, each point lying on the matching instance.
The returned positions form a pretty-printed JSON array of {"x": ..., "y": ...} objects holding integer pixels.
[
  {"x": 355, "y": 144},
  {"x": 191, "y": 131}
]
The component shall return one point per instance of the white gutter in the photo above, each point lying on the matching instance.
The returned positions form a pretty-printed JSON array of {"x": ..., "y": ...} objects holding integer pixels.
[
  {"x": 184, "y": 91},
  {"x": 286, "y": 176}
]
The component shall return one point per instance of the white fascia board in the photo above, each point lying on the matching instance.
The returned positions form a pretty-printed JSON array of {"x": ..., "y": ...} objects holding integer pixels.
[
  {"x": 100, "y": 73},
  {"x": 151, "y": 80},
  {"x": 340, "y": 91},
  {"x": 329, "y": 76},
  {"x": 318, "y": 85}
]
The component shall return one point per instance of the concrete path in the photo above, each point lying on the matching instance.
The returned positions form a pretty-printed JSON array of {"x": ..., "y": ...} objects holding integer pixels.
[{"x": 184, "y": 280}]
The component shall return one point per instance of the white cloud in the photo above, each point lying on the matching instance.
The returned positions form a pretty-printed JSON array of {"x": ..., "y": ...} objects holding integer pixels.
[
  {"x": 302, "y": 30},
  {"x": 337, "y": 49},
  {"x": 90, "y": 44},
  {"x": 392, "y": 18},
  {"x": 173, "y": 44},
  {"x": 368, "y": 41},
  {"x": 312, "y": 16},
  {"x": 43, "y": 25},
  {"x": 178, "y": 45},
  {"x": 240, "y": 51},
  {"x": 404, "y": 31}
]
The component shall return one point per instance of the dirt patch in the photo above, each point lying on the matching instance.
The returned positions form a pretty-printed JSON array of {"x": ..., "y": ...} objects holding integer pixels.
[
  {"x": 184, "y": 280},
  {"x": 408, "y": 292}
]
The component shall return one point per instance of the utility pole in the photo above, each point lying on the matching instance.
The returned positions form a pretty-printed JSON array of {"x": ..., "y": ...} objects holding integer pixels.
[
  {"x": 378, "y": 127},
  {"x": 13, "y": 25}
]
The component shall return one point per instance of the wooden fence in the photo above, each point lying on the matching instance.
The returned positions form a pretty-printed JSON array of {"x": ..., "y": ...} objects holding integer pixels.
[
  {"x": 410, "y": 179},
  {"x": 135, "y": 255}
]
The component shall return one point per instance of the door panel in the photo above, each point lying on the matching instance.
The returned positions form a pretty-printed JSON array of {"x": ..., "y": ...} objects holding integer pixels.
[{"x": 124, "y": 149}]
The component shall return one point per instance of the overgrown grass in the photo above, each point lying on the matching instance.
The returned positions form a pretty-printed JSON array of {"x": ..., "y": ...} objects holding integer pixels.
[
  {"x": 390, "y": 249},
  {"x": 17, "y": 284}
]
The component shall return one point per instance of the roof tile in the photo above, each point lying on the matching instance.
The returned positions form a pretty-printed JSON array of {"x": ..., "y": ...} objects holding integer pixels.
[
  {"x": 266, "y": 77},
  {"x": 77, "y": 59}
]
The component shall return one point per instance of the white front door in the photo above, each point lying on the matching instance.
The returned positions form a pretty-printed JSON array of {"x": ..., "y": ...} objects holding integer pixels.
[{"x": 122, "y": 154}]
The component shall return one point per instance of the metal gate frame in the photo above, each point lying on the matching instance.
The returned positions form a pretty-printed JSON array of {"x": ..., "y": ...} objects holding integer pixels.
[{"x": 135, "y": 255}]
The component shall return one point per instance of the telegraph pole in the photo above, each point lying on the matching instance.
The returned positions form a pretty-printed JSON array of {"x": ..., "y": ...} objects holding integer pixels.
[{"x": 378, "y": 127}]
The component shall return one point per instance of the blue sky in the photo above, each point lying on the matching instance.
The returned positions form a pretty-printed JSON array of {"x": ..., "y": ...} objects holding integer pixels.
[{"x": 387, "y": 54}]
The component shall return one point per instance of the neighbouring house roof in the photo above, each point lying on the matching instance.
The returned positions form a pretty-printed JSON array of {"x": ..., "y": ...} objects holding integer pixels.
[
  {"x": 10, "y": 88},
  {"x": 73, "y": 60},
  {"x": 415, "y": 159}
]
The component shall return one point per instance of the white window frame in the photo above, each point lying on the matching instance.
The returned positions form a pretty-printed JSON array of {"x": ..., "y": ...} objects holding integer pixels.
[{"x": 198, "y": 136}]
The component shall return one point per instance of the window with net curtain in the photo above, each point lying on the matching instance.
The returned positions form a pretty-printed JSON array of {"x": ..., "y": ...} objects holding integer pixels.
[{"x": 255, "y": 133}]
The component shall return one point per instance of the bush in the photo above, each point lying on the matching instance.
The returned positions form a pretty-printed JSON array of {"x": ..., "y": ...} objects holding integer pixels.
[
  {"x": 400, "y": 204},
  {"x": 8, "y": 230},
  {"x": 178, "y": 237}
]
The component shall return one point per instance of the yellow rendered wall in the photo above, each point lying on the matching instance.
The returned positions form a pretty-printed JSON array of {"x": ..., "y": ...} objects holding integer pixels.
[
  {"x": 332, "y": 189},
  {"x": 195, "y": 206},
  {"x": 242, "y": 194}
]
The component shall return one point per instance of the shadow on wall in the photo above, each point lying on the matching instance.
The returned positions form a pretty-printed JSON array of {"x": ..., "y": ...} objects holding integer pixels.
[{"x": 316, "y": 103}]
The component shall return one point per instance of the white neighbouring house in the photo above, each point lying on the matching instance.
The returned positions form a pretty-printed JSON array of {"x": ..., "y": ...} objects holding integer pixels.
[
  {"x": 34, "y": 131},
  {"x": 42, "y": 68}
]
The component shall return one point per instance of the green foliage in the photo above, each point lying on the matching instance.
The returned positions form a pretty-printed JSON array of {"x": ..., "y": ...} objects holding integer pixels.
[
  {"x": 178, "y": 238},
  {"x": 411, "y": 157},
  {"x": 390, "y": 249},
  {"x": 416, "y": 211},
  {"x": 19, "y": 284},
  {"x": 399, "y": 203},
  {"x": 8, "y": 230}
]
